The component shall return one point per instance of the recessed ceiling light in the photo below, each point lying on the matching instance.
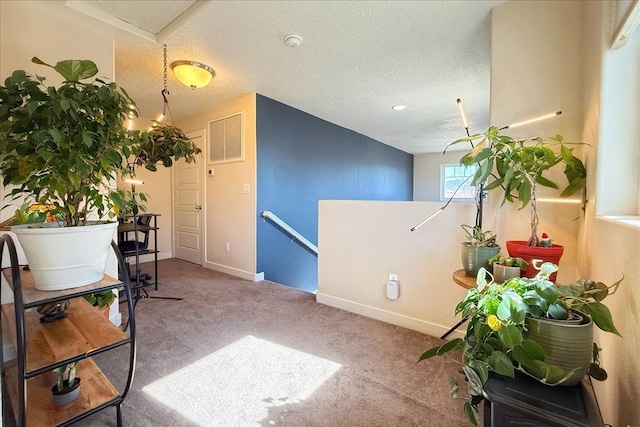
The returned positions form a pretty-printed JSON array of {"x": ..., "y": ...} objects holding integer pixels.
[{"x": 398, "y": 107}]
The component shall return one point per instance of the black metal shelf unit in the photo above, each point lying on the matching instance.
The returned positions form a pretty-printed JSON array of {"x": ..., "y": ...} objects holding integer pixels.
[{"x": 37, "y": 353}]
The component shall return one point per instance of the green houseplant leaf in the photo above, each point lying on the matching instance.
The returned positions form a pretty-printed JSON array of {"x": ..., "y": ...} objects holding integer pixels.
[{"x": 601, "y": 316}]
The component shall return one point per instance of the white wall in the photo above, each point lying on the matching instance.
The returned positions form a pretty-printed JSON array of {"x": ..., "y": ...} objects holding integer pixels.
[
  {"x": 609, "y": 249},
  {"x": 361, "y": 242},
  {"x": 536, "y": 66},
  {"x": 230, "y": 214}
]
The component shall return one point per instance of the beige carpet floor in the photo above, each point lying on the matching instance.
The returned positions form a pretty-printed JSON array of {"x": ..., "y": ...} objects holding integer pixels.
[{"x": 239, "y": 353}]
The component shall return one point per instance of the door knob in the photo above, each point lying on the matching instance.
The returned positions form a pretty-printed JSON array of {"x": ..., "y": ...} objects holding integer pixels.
[{"x": 198, "y": 207}]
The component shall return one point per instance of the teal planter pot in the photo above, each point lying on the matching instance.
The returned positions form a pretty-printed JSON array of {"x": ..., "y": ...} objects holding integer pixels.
[{"x": 476, "y": 257}]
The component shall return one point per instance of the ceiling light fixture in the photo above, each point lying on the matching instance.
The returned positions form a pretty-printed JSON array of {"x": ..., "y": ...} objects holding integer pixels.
[
  {"x": 192, "y": 73},
  {"x": 398, "y": 107}
]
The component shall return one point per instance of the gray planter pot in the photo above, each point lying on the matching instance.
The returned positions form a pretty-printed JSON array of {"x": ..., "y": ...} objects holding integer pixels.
[
  {"x": 565, "y": 344},
  {"x": 476, "y": 257}
]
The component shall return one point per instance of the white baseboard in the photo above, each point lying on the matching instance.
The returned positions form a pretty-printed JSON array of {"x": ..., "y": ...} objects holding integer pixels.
[
  {"x": 419, "y": 325},
  {"x": 247, "y": 275},
  {"x": 161, "y": 255}
]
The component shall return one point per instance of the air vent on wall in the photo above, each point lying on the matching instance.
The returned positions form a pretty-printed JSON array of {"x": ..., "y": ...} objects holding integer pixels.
[{"x": 226, "y": 139}]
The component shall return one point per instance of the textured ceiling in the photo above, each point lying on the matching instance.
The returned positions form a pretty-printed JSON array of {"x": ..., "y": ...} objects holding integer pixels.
[{"x": 357, "y": 59}]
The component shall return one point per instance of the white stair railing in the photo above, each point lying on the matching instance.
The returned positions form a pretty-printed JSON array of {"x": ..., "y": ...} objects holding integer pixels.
[{"x": 290, "y": 231}]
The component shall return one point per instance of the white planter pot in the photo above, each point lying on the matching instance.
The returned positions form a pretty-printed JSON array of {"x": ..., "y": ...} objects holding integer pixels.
[
  {"x": 66, "y": 257},
  {"x": 502, "y": 273}
]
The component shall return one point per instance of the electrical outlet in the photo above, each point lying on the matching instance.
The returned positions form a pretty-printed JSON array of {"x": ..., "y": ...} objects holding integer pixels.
[
  {"x": 227, "y": 247},
  {"x": 393, "y": 276}
]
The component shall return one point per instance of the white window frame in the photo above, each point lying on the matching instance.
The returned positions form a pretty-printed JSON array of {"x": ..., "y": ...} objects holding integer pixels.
[{"x": 466, "y": 193}]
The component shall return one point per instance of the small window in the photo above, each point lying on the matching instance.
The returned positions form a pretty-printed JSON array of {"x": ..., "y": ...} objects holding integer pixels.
[
  {"x": 226, "y": 139},
  {"x": 456, "y": 177}
]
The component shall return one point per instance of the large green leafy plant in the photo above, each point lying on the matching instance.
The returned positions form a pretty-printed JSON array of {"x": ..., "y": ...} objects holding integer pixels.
[
  {"x": 496, "y": 339},
  {"x": 61, "y": 146},
  {"x": 522, "y": 165}
]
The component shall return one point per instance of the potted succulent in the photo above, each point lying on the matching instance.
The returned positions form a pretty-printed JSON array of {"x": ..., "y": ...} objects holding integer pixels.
[
  {"x": 513, "y": 325},
  {"x": 476, "y": 251},
  {"x": 65, "y": 391},
  {"x": 506, "y": 267},
  {"x": 61, "y": 146},
  {"x": 522, "y": 165}
]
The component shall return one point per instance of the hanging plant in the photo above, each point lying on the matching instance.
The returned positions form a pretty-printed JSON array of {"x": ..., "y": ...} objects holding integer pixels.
[{"x": 162, "y": 143}]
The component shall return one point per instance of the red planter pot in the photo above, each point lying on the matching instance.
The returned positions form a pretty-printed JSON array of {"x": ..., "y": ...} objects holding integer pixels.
[{"x": 519, "y": 248}]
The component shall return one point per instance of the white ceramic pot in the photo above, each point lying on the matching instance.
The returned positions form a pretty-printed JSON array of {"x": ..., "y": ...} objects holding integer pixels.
[
  {"x": 66, "y": 257},
  {"x": 502, "y": 273},
  {"x": 67, "y": 397}
]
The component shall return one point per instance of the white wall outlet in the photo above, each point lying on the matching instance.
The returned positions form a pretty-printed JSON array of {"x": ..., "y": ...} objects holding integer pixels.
[
  {"x": 393, "y": 276},
  {"x": 227, "y": 247},
  {"x": 246, "y": 188},
  {"x": 393, "y": 290}
]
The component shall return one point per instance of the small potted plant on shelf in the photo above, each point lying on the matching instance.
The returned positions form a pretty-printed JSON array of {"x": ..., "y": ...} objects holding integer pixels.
[
  {"x": 101, "y": 300},
  {"x": 61, "y": 146},
  {"x": 476, "y": 251},
  {"x": 506, "y": 267},
  {"x": 67, "y": 388},
  {"x": 521, "y": 166},
  {"x": 530, "y": 326}
]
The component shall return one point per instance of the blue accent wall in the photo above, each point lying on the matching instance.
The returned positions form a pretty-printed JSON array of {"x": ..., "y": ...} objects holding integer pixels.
[{"x": 303, "y": 159}]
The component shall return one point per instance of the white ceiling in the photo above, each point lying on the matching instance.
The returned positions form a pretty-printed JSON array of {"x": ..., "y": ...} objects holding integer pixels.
[{"x": 357, "y": 59}]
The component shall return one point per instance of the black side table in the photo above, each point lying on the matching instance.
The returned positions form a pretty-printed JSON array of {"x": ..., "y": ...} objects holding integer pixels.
[{"x": 524, "y": 402}]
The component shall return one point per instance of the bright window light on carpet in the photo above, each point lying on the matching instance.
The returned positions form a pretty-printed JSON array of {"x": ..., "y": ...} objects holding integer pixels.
[{"x": 236, "y": 385}]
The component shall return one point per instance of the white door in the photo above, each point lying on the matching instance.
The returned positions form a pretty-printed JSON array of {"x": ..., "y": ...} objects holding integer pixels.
[{"x": 188, "y": 205}]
